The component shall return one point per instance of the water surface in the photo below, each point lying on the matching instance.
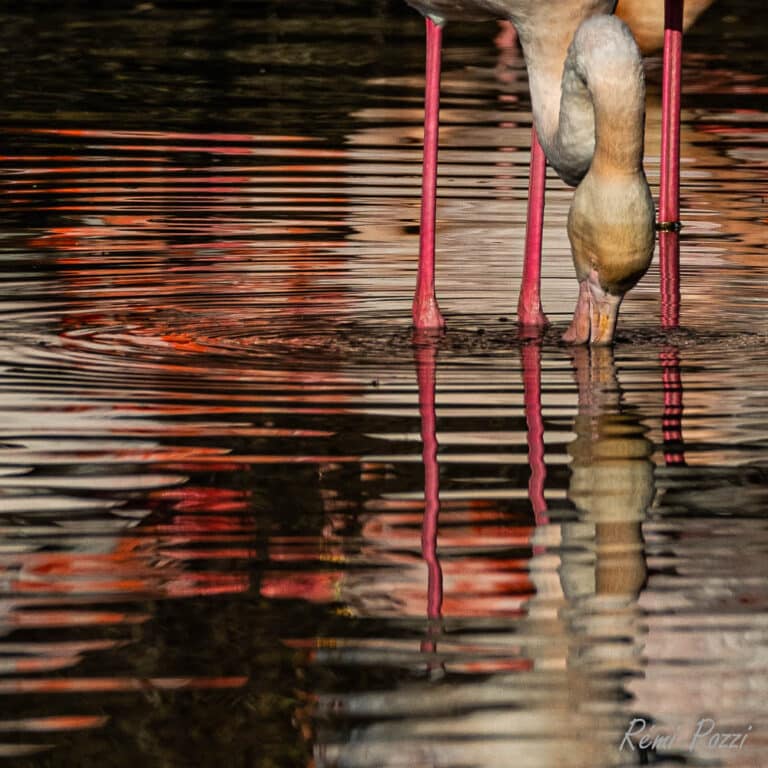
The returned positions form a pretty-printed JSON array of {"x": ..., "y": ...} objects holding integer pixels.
[{"x": 246, "y": 518}]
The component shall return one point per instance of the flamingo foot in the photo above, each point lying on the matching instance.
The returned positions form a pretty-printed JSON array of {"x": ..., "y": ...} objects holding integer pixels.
[
  {"x": 427, "y": 315},
  {"x": 531, "y": 316}
]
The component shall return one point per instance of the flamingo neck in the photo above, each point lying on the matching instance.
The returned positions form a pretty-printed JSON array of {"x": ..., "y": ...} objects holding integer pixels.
[
  {"x": 589, "y": 103},
  {"x": 604, "y": 67}
]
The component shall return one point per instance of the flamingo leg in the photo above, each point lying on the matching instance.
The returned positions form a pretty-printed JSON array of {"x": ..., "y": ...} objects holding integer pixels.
[
  {"x": 426, "y": 313},
  {"x": 669, "y": 192},
  {"x": 529, "y": 311}
]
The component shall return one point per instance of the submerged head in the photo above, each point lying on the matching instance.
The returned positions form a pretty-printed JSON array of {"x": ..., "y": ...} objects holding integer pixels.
[{"x": 612, "y": 234}]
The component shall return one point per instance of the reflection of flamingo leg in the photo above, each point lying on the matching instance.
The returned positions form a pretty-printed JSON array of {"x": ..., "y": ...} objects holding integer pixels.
[
  {"x": 672, "y": 429},
  {"x": 426, "y": 354},
  {"x": 529, "y": 310},
  {"x": 426, "y": 313},
  {"x": 669, "y": 264},
  {"x": 531, "y": 357},
  {"x": 669, "y": 191}
]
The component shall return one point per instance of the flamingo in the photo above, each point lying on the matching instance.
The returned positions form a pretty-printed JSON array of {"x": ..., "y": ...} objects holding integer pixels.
[{"x": 587, "y": 95}]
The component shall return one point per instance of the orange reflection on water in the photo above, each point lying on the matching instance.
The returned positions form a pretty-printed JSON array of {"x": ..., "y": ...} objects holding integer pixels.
[
  {"x": 54, "y": 723},
  {"x": 120, "y": 684}
]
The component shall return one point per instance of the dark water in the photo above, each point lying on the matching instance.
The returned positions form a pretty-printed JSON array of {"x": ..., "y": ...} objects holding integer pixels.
[{"x": 227, "y": 536}]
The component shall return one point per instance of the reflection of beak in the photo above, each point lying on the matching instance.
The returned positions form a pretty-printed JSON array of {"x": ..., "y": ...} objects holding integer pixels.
[{"x": 594, "y": 319}]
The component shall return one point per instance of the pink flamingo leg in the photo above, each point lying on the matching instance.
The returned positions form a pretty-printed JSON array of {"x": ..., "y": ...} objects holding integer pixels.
[
  {"x": 669, "y": 200},
  {"x": 426, "y": 313},
  {"x": 669, "y": 193},
  {"x": 529, "y": 312}
]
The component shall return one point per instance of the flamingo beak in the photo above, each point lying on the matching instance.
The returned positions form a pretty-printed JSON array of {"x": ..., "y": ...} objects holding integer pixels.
[
  {"x": 594, "y": 319},
  {"x": 605, "y": 311}
]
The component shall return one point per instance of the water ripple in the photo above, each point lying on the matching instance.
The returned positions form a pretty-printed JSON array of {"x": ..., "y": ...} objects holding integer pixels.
[{"x": 245, "y": 514}]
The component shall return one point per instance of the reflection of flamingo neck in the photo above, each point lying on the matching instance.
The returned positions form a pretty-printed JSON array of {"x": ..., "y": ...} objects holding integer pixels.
[{"x": 611, "y": 483}]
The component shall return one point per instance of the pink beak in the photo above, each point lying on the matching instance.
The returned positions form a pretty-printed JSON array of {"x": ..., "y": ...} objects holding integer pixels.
[{"x": 594, "y": 319}]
